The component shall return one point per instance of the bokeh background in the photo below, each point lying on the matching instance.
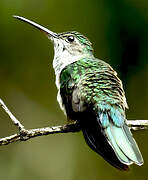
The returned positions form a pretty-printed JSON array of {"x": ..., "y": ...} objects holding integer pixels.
[{"x": 119, "y": 33}]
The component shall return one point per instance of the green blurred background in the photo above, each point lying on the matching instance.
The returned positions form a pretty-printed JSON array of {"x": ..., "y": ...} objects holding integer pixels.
[{"x": 119, "y": 33}]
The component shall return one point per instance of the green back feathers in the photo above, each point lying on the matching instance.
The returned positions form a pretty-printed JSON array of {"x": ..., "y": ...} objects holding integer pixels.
[{"x": 92, "y": 84}]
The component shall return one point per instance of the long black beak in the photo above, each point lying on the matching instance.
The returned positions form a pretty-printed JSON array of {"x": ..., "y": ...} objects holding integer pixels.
[{"x": 45, "y": 30}]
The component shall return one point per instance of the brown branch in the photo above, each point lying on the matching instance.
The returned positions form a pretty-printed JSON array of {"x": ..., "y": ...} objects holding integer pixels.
[
  {"x": 25, "y": 134},
  {"x": 138, "y": 124},
  {"x": 28, "y": 134}
]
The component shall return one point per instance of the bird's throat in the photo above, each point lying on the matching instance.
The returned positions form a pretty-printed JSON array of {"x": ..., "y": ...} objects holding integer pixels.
[{"x": 62, "y": 60}]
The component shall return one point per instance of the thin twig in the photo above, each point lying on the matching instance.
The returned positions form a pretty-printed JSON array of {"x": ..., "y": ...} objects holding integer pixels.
[
  {"x": 138, "y": 124},
  {"x": 28, "y": 134},
  {"x": 25, "y": 134},
  {"x": 12, "y": 117}
]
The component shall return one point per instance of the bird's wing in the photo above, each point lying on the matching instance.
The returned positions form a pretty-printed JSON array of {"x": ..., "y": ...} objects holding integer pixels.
[{"x": 100, "y": 95}]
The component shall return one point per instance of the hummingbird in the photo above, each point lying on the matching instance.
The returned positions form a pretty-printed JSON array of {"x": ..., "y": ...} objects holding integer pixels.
[{"x": 91, "y": 94}]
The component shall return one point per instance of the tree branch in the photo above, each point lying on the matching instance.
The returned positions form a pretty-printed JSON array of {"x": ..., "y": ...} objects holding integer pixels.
[
  {"x": 25, "y": 134},
  {"x": 137, "y": 124}
]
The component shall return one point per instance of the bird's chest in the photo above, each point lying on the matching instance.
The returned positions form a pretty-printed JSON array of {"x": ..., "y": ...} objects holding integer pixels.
[{"x": 68, "y": 80}]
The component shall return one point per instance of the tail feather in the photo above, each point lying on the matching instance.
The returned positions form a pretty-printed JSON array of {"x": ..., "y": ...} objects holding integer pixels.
[
  {"x": 98, "y": 142},
  {"x": 123, "y": 144},
  {"x": 139, "y": 159},
  {"x": 118, "y": 151},
  {"x": 115, "y": 144}
]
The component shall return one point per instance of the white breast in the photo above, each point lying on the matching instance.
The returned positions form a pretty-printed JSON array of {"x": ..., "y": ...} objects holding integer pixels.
[
  {"x": 59, "y": 63},
  {"x": 63, "y": 58}
]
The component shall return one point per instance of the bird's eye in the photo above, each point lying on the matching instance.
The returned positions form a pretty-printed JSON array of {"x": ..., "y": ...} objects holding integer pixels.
[{"x": 70, "y": 39}]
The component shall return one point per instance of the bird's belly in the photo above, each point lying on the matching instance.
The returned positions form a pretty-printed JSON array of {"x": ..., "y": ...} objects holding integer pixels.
[{"x": 60, "y": 101}]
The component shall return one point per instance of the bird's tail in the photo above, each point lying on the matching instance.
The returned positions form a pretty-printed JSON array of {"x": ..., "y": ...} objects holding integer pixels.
[{"x": 115, "y": 144}]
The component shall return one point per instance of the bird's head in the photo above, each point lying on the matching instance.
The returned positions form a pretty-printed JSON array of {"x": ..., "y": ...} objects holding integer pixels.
[{"x": 68, "y": 46}]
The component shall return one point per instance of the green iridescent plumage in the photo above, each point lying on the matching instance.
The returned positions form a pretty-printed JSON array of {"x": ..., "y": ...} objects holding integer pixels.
[
  {"x": 92, "y": 85},
  {"x": 97, "y": 82},
  {"x": 90, "y": 93}
]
